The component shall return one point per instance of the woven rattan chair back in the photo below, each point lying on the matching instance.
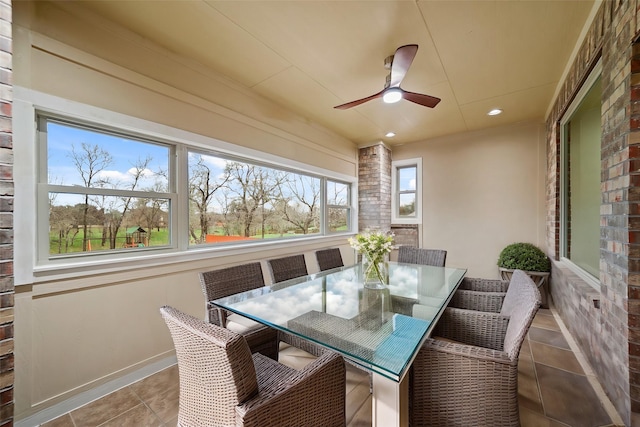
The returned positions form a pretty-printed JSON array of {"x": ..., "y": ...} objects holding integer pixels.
[
  {"x": 329, "y": 258},
  {"x": 215, "y": 367},
  {"x": 413, "y": 255},
  {"x": 521, "y": 304},
  {"x": 228, "y": 281},
  {"x": 287, "y": 268}
]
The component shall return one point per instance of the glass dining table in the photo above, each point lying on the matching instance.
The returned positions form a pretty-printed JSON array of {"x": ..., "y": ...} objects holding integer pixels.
[{"x": 379, "y": 328}]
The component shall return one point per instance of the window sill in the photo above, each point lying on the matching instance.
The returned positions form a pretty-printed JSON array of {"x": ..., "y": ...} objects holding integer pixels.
[
  {"x": 168, "y": 262},
  {"x": 583, "y": 275}
]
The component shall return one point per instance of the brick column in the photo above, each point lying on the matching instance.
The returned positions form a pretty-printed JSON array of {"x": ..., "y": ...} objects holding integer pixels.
[
  {"x": 374, "y": 188},
  {"x": 6, "y": 218}
]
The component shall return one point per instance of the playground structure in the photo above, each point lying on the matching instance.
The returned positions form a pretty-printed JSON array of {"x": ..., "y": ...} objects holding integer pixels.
[{"x": 136, "y": 237}]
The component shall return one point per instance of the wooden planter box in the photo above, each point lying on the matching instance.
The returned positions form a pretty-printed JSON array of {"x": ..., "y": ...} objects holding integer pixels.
[{"x": 541, "y": 279}]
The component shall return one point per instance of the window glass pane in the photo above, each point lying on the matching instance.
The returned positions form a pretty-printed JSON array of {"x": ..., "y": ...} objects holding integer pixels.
[
  {"x": 407, "y": 178},
  {"x": 92, "y": 159},
  {"x": 582, "y": 177},
  {"x": 407, "y": 206},
  {"x": 231, "y": 201},
  {"x": 337, "y": 193},
  {"x": 88, "y": 223},
  {"x": 112, "y": 191},
  {"x": 338, "y": 219},
  {"x": 96, "y": 179}
]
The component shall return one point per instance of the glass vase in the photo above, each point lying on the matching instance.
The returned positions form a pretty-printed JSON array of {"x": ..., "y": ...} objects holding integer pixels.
[{"x": 375, "y": 271}]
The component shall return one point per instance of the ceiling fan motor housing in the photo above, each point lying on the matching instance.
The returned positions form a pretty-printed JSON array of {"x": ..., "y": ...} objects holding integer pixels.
[{"x": 387, "y": 62}]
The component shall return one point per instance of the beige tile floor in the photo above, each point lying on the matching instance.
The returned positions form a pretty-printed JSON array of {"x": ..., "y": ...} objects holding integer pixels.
[{"x": 554, "y": 390}]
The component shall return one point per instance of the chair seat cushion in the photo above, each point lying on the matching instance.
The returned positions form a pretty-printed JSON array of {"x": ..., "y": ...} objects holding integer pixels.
[
  {"x": 424, "y": 312},
  {"x": 240, "y": 324}
]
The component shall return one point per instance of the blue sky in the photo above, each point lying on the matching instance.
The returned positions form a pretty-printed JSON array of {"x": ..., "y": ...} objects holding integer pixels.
[
  {"x": 63, "y": 139},
  {"x": 407, "y": 178},
  {"x": 124, "y": 152}
]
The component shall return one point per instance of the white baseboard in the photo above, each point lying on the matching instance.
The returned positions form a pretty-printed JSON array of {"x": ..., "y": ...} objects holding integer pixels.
[{"x": 89, "y": 396}]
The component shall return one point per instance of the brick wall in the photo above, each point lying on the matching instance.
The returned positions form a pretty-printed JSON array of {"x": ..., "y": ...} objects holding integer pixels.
[
  {"x": 606, "y": 322},
  {"x": 406, "y": 235},
  {"x": 374, "y": 188},
  {"x": 6, "y": 218}
]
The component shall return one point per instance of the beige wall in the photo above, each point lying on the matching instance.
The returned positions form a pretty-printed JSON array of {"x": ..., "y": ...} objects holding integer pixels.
[
  {"x": 74, "y": 333},
  {"x": 481, "y": 191}
]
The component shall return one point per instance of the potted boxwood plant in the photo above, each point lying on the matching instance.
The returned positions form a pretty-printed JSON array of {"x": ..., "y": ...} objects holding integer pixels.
[{"x": 531, "y": 259}]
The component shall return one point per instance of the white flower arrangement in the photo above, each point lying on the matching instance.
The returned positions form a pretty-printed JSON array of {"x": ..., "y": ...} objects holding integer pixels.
[{"x": 373, "y": 245}]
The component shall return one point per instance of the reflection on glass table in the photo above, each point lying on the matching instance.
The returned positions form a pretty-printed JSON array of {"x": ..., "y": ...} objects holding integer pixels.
[{"x": 379, "y": 329}]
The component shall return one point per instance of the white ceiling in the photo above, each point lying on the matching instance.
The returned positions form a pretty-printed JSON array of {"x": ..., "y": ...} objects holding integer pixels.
[{"x": 312, "y": 55}]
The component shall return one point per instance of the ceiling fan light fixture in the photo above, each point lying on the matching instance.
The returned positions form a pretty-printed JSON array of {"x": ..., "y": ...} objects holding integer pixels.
[{"x": 392, "y": 95}]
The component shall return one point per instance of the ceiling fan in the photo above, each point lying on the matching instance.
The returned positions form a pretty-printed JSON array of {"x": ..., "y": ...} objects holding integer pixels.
[{"x": 398, "y": 64}]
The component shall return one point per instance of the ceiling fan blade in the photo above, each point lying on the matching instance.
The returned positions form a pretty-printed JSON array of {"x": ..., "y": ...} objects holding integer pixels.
[
  {"x": 359, "y": 101},
  {"x": 418, "y": 98},
  {"x": 402, "y": 60}
]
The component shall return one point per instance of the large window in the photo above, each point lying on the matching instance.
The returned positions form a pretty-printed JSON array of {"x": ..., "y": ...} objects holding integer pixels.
[
  {"x": 232, "y": 200},
  {"x": 581, "y": 192},
  {"x": 406, "y": 199},
  {"x": 104, "y": 191}
]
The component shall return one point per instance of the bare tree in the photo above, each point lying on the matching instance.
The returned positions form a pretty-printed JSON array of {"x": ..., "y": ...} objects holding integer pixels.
[
  {"x": 301, "y": 199},
  {"x": 89, "y": 160},
  {"x": 149, "y": 211},
  {"x": 116, "y": 217},
  {"x": 227, "y": 209},
  {"x": 254, "y": 187},
  {"x": 202, "y": 187}
]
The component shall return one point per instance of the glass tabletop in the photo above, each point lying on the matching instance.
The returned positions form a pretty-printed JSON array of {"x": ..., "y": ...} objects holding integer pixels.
[{"x": 380, "y": 329}]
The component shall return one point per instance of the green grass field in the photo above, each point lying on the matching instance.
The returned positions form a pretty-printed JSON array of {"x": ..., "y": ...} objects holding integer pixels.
[{"x": 157, "y": 238}]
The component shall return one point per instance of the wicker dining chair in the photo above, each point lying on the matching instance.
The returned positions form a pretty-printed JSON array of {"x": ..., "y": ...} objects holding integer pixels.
[
  {"x": 413, "y": 255},
  {"x": 473, "y": 379},
  {"x": 287, "y": 268},
  {"x": 223, "y": 384},
  {"x": 231, "y": 280},
  {"x": 329, "y": 258},
  {"x": 480, "y": 294}
]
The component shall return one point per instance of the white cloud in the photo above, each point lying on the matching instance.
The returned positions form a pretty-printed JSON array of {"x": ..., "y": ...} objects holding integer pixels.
[
  {"x": 114, "y": 176},
  {"x": 216, "y": 161}
]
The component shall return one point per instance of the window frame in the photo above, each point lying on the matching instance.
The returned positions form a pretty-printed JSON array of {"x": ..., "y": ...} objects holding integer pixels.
[
  {"x": 31, "y": 267},
  {"x": 396, "y": 165},
  {"x": 259, "y": 163},
  {"x": 593, "y": 76},
  {"x": 45, "y": 188},
  {"x": 328, "y": 206}
]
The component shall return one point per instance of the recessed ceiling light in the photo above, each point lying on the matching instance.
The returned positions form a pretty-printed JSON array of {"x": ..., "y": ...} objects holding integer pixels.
[
  {"x": 494, "y": 112},
  {"x": 390, "y": 135}
]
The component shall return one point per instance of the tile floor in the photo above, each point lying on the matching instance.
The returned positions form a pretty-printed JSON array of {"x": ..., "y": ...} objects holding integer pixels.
[{"x": 554, "y": 390}]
